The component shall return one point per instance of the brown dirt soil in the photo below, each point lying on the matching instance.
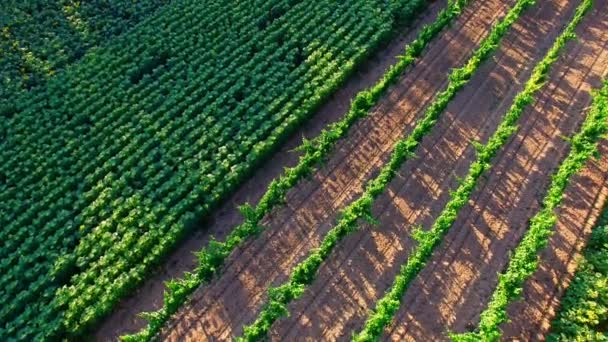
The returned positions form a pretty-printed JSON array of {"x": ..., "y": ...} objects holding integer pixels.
[
  {"x": 365, "y": 265},
  {"x": 457, "y": 283},
  {"x": 220, "y": 310},
  {"x": 149, "y": 295}
]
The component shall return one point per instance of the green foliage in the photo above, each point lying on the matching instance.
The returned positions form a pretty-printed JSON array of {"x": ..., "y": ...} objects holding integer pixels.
[
  {"x": 40, "y": 38},
  {"x": 524, "y": 261},
  {"x": 583, "y": 315},
  {"x": 429, "y": 240},
  {"x": 387, "y": 306},
  {"x": 583, "y": 145}
]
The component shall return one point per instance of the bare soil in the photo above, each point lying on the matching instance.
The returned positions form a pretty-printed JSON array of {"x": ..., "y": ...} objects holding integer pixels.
[
  {"x": 531, "y": 316},
  {"x": 582, "y": 205},
  {"x": 220, "y": 310},
  {"x": 366, "y": 264}
]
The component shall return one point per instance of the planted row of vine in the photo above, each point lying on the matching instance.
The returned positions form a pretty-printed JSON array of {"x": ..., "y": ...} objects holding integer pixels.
[
  {"x": 105, "y": 168},
  {"x": 212, "y": 257},
  {"x": 304, "y": 273},
  {"x": 524, "y": 260}
]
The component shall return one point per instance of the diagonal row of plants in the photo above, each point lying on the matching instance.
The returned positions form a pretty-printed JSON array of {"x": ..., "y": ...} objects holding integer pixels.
[
  {"x": 524, "y": 259},
  {"x": 388, "y": 305},
  {"x": 315, "y": 151},
  {"x": 305, "y": 272}
]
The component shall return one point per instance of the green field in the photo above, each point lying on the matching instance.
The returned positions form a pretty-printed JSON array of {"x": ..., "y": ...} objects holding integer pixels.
[
  {"x": 106, "y": 164},
  {"x": 125, "y": 125}
]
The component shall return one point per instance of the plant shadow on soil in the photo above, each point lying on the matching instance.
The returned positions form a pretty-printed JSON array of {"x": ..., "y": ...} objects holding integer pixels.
[
  {"x": 557, "y": 263},
  {"x": 394, "y": 226},
  {"x": 389, "y": 208},
  {"x": 239, "y": 293},
  {"x": 359, "y": 260}
]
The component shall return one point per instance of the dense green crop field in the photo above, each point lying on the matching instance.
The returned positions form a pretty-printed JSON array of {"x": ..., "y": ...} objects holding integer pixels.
[
  {"x": 125, "y": 124},
  {"x": 106, "y": 164},
  {"x": 40, "y": 38}
]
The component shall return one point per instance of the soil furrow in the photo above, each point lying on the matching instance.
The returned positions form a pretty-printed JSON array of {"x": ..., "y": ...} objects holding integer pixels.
[
  {"x": 350, "y": 284},
  {"x": 456, "y": 285},
  {"x": 219, "y": 310}
]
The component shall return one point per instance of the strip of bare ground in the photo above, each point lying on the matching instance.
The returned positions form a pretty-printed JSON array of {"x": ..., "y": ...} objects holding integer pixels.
[
  {"x": 149, "y": 296},
  {"x": 220, "y": 309},
  {"x": 458, "y": 282},
  {"x": 365, "y": 265}
]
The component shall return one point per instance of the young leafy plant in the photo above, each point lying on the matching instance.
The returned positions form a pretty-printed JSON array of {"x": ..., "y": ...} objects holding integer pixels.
[{"x": 314, "y": 151}]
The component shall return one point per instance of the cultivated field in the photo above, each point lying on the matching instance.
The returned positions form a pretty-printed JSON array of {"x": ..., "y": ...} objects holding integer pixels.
[{"x": 306, "y": 170}]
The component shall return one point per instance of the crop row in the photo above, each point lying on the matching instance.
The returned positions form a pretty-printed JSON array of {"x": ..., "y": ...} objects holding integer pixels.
[
  {"x": 584, "y": 308},
  {"x": 524, "y": 260},
  {"x": 304, "y": 273}
]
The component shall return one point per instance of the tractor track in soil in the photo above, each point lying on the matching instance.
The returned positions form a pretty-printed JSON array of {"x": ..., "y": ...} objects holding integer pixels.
[{"x": 219, "y": 310}]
